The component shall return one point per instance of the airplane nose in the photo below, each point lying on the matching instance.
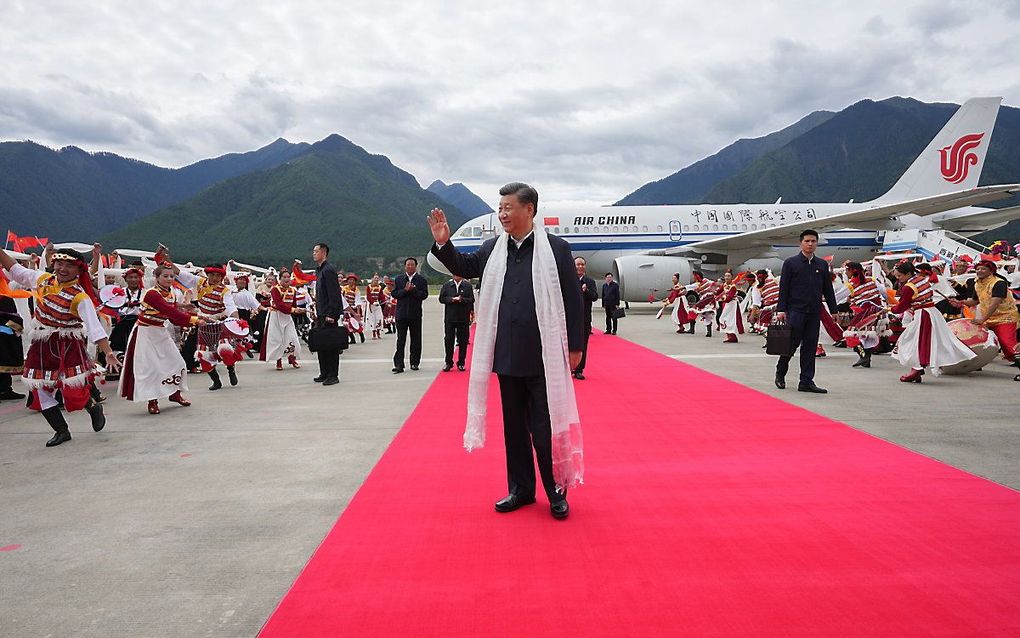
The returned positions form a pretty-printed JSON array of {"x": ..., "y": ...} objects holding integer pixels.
[{"x": 436, "y": 264}]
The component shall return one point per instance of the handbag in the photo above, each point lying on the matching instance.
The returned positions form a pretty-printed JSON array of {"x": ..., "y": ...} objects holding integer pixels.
[
  {"x": 779, "y": 340},
  {"x": 327, "y": 337},
  {"x": 619, "y": 313}
]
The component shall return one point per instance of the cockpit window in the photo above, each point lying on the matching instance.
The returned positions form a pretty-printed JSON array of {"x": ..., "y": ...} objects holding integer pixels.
[{"x": 477, "y": 231}]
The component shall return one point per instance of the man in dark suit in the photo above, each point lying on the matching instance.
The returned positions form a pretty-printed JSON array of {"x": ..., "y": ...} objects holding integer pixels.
[
  {"x": 804, "y": 281},
  {"x": 589, "y": 293},
  {"x": 517, "y": 357},
  {"x": 410, "y": 289},
  {"x": 610, "y": 302},
  {"x": 459, "y": 298},
  {"x": 328, "y": 310}
]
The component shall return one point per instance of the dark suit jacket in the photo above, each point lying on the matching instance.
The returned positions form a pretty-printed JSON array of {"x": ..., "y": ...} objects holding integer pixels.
[
  {"x": 588, "y": 298},
  {"x": 457, "y": 312},
  {"x": 610, "y": 295},
  {"x": 802, "y": 285},
  {"x": 518, "y": 349},
  {"x": 409, "y": 303},
  {"x": 327, "y": 292}
]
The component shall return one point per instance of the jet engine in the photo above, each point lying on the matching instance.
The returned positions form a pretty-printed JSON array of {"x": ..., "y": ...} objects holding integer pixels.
[{"x": 643, "y": 275}]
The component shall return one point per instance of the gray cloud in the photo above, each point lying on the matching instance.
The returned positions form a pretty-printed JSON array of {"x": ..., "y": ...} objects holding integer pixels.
[{"x": 588, "y": 100}]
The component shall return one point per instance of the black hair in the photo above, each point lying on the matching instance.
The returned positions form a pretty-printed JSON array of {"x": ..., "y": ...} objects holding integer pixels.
[
  {"x": 906, "y": 268},
  {"x": 414, "y": 259},
  {"x": 698, "y": 272},
  {"x": 323, "y": 246},
  {"x": 761, "y": 271},
  {"x": 581, "y": 258},
  {"x": 609, "y": 274},
  {"x": 525, "y": 194},
  {"x": 805, "y": 233},
  {"x": 925, "y": 266}
]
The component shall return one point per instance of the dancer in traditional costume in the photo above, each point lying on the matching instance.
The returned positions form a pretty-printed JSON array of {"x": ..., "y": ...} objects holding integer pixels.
[
  {"x": 677, "y": 300},
  {"x": 354, "y": 318},
  {"x": 127, "y": 314},
  {"x": 215, "y": 303},
  {"x": 281, "y": 332},
  {"x": 704, "y": 307},
  {"x": 153, "y": 366},
  {"x": 731, "y": 318},
  {"x": 927, "y": 341},
  {"x": 868, "y": 323},
  {"x": 389, "y": 306},
  {"x": 764, "y": 297},
  {"x": 58, "y": 360},
  {"x": 375, "y": 296},
  {"x": 995, "y": 307}
]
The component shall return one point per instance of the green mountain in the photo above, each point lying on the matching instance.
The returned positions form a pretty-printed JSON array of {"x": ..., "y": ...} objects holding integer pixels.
[
  {"x": 70, "y": 194},
  {"x": 461, "y": 197},
  {"x": 690, "y": 185},
  {"x": 369, "y": 211}
]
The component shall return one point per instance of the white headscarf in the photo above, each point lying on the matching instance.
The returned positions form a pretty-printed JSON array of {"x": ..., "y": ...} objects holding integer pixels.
[{"x": 567, "y": 452}]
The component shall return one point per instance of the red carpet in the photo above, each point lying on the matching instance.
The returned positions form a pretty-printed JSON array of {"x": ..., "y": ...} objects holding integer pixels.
[{"x": 709, "y": 509}]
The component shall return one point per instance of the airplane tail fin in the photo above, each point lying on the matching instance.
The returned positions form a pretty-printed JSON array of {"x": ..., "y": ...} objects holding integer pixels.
[{"x": 954, "y": 158}]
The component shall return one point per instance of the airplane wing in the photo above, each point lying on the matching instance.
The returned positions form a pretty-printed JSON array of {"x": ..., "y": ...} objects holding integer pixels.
[
  {"x": 761, "y": 240},
  {"x": 990, "y": 218}
]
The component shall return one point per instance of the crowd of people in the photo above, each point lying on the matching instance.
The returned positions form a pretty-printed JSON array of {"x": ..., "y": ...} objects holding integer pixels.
[
  {"x": 928, "y": 314},
  {"x": 72, "y": 321}
]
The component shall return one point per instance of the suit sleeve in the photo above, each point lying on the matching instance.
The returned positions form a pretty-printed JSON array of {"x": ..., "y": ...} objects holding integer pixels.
[
  {"x": 571, "y": 290},
  {"x": 469, "y": 265},
  {"x": 468, "y": 297},
  {"x": 785, "y": 277},
  {"x": 331, "y": 286},
  {"x": 444, "y": 294},
  {"x": 592, "y": 294},
  {"x": 398, "y": 287},
  {"x": 421, "y": 288}
]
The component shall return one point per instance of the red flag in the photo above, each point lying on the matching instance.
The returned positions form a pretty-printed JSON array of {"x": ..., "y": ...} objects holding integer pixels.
[
  {"x": 43, "y": 241},
  {"x": 828, "y": 257},
  {"x": 299, "y": 276},
  {"x": 11, "y": 237},
  {"x": 21, "y": 244}
]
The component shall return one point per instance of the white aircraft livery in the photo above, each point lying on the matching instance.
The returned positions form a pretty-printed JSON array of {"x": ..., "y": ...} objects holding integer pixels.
[{"x": 644, "y": 245}]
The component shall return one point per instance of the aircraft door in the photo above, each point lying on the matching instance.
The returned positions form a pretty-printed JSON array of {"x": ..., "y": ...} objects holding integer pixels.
[{"x": 674, "y": 230}]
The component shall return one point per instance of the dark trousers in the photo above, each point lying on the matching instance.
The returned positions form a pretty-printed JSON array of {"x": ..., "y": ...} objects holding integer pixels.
[
  {"x": 804, "y": 336},
  {"x": 456, "y": 331},
  {"x": 188, "y": 349},
  {"x": 412, "y": 325},
  {"x": 329, "y": 363},
  {"x": 584, "y": 349},
  {"x": 611, "y": 320},
  {"x": 6, "y": 382},
  {"x": 526, "y": 424}
]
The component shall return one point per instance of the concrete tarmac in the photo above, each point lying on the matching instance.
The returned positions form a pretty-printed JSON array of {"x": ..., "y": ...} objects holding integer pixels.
[{"x": 195, "y": 522}]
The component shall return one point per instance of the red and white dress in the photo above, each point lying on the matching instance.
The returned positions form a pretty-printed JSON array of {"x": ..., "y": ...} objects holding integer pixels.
[
  {"x": 153, "y": 366},
  {"x": 927, "y": 341},
  {"x": 281, "y": 338},
  {"x": 705, "y": 306},
  {"x": 731, "y": 319},
  {"x": 766, "y": 297},
  {"x": 868, "y": 324},
  {"x": 57, "y": 357},
  {"x": 374, "y": 295},
  {"x": 215, "y": 303}
]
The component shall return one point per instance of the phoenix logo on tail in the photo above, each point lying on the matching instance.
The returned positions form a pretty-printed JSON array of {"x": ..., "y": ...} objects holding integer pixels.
[{"x": 958, "y": 158}]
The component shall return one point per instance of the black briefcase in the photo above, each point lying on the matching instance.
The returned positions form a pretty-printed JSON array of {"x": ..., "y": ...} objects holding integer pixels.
[
  {"x": 327, "y": 337},
  {"x": 779, "y": 340},
  {"x": 619, "y": 313}
]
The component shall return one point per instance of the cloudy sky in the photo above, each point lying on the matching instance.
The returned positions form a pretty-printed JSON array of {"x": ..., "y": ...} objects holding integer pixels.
[{"x": 585, "y": 100}]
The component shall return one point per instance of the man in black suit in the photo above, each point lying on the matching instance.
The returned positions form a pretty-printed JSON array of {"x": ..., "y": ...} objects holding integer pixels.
[
  {"x": 517, "y": 356},
  {"x": 410, "y": 289},
  {"x": 804, "y": 282},
  {"x": 610, "y": 302},
  {"x": 459, "y": 298},
  {"x": 328, "y": 310},
  {"x": 589, "y": 293}
]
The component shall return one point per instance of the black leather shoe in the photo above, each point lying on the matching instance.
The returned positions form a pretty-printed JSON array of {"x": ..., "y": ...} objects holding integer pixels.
[
  {"x": 331, "y": 381},
  {"x": 513, "y": 502},
  {"x": 560, "y": 510},
  {"x": 460, "y": 366},
  {"x": 98, "y": 418},
  {"x": 780, "y": 382},
  {"x": 397, "y": 370},
  {"x": 811, "y": 388},
  {"x": 319, "y": 379},
  {"x": 58, "y": 438},
  {"x": 579, "y": 376},
  {"x": 414, "y": 367},
  {"x": 446, "y": 368},
  {"x": 11, "y": 395}
]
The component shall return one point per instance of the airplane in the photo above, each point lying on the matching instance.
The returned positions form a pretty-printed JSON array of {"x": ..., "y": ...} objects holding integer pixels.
[{"x": 642, "y": 246}]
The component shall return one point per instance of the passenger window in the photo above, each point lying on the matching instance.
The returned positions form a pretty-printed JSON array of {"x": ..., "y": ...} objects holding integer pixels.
[
  {"x": 660, "y": 228},
  {"x": 644, "y": 229},
  {"x": 715, "y": 226},
  {"x": 566, "y": 230}
]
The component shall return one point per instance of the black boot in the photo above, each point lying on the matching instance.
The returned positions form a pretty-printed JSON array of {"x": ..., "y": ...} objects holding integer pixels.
[
  {"x": 95, "y": 411},
  {"x": 232, "y": 375},
  {"x": 215, "y": 376},
  {"x": 862, "y": 354},
  {"x": 56, "y": 420},
  {"x": 867, "y": 358},
  {"x": 362, "y": 335},
  {"x": 691, "y": 331},
  {"x": 96, "y": 395},
  {"x": 709, "y": 331}
]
